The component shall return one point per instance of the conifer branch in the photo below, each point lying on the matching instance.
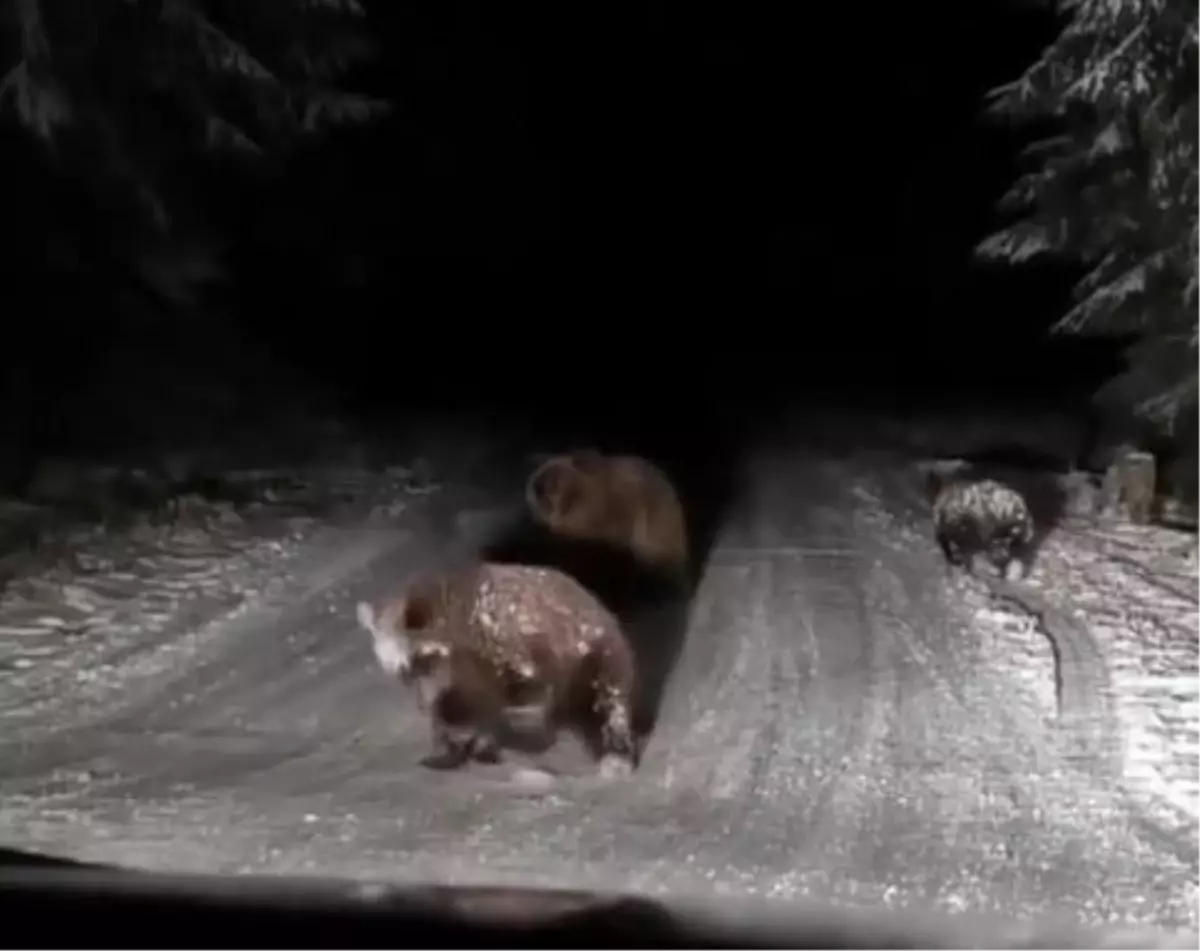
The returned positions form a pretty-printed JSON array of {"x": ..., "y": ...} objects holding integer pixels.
[
  {"x": 1116, "y": 188},
  {"x": 125, "y": 91}
]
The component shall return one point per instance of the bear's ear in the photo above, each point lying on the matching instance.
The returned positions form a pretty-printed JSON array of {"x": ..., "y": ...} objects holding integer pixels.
[
  {"x": 391, "y": 652},
  {"x": 587, "y": 460},
  {"x": 389, "y": 647},
  {"x": 366, "y": 616},
  {"x": 546, "y": 483}
]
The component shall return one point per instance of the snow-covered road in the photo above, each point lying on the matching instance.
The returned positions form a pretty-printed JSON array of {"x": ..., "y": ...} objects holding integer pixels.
[{"x": 834, "y": 727}]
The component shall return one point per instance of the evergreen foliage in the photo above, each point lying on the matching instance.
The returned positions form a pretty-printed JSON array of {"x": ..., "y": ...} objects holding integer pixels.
[
  {"x": 133, "y": 98},
  {"x": 1115, "y": 187}
]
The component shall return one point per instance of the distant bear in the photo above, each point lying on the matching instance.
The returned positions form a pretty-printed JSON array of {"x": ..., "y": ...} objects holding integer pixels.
[
  {"x": 625, "y": 501},
  {"x": 488, "y": 642},
  {"x": 974, "y": 516}
]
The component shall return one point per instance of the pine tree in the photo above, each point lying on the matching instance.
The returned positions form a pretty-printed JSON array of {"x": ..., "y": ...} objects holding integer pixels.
[
  {"x": 128, "y": 95},
  {"x": 1115, "y": 187}
]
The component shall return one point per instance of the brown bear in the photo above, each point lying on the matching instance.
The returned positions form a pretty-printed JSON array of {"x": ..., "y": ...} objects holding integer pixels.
[
  {"x": 486, "y": 642},
  {"x": 625, "y": 501}
]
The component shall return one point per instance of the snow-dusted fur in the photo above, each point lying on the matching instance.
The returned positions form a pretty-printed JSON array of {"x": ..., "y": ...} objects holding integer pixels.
[
  {"x": 489, "y": 644},
  {"x": 981, "y": 516},
  {"x": 625, "y": 501}
]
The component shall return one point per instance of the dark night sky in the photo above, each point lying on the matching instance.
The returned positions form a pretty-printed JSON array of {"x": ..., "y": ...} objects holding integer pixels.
[
  {"x": 653, "y": 204},
  {"x": 735, "y": 172}
]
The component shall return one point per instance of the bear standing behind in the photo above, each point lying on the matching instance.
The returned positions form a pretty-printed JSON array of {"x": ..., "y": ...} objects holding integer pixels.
[{"x": 625, "y": 501}]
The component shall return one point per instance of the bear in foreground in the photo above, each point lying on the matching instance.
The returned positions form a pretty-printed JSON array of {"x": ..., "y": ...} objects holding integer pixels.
[
  {"x": 488, "y": 645},
  {"x": 625, "y": 501},
  {"x": 980, "y": 516}
]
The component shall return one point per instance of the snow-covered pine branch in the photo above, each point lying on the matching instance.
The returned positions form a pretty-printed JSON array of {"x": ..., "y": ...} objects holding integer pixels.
[
  {"x": 1116, "y": 188},
  {"x": 122, "y": 90}
]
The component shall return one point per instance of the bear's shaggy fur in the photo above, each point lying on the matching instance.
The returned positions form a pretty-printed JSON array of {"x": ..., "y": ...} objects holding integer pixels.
[
  {"x": 974, "y": 516},
  {"x": 485, "y": 641},
  {"x": 625, "y": 501}
]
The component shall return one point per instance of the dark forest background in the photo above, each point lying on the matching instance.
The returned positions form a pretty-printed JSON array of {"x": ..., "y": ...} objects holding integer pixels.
[{"x": 512, "y": 197}]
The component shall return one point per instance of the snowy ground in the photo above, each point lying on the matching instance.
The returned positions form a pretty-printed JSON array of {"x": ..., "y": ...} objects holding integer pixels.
[
  {"x": 79, "y": 606},
  {"x": 78, "y": 629},
  {"x": 86, "y": 598},
  {"x": 1135, "y": 591},
  {"x": 1135, "y": 587}
]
